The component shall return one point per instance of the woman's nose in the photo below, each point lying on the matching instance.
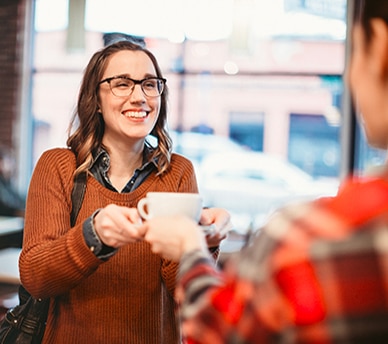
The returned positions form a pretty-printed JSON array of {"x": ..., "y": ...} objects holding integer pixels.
[{"x": 137, "y": 93}]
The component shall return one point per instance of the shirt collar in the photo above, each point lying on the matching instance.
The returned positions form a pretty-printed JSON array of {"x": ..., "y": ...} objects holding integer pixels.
[{"x": 102, "y": 158}]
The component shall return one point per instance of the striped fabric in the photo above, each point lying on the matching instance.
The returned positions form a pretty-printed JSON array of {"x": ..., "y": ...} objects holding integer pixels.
[{"x": 316, "y": 273}]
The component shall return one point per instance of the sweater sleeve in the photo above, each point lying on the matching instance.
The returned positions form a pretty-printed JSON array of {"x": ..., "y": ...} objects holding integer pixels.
[{"x": 54, "y": 257}]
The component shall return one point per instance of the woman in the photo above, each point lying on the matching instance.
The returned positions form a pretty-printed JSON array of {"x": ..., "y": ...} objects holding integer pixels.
[
  {"x": 105, "y": 284},
  {"x": 317, "y": 272}
]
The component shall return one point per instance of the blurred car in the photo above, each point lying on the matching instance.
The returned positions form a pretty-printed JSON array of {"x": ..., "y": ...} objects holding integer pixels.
[
  {"x": 196, "y": 146},
  {"x": 252, "y": 184}
]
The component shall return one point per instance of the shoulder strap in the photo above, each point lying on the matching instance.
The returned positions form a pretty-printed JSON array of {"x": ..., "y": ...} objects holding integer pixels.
[{"x": 77, "y": 196}]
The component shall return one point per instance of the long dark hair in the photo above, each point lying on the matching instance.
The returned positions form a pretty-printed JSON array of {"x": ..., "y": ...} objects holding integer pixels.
[
  {"x": 366, "y": 10},
  {"x": 89, "y": 126}
]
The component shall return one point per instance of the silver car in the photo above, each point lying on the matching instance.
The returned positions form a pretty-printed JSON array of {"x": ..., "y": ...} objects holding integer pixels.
[{"x": 252, "y": 184}]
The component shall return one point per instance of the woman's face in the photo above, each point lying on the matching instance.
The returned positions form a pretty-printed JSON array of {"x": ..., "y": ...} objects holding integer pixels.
[
  {"x": 128, "y": 119},
  {"x": 367, "y": 85}
]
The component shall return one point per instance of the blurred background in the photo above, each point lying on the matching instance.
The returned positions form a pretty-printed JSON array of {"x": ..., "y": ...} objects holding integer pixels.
[{"x": 257, "y": 98}]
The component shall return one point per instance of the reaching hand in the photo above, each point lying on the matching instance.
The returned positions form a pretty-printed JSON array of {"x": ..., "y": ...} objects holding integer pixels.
[{"x": 172, "y": 236}]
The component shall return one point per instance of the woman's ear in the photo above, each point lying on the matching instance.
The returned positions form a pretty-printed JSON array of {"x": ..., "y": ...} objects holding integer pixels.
[
  {"x": 378, "y": 47},
  {"x": 98, "y": 109}
]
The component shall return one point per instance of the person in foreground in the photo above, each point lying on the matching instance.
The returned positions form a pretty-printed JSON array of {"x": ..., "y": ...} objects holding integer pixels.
[
  {"x": 317, "y": 271},
  {"x": 104, "y": 283}
]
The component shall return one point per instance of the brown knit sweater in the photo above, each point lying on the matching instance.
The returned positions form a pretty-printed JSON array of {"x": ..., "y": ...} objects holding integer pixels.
[{"x": 127, "y": 299}]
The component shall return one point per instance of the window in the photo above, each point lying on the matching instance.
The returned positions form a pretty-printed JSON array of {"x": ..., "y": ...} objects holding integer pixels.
[{"x": 265, "y": 77}]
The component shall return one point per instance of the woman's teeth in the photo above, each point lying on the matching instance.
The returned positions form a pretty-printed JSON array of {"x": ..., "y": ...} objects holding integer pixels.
[{"x": 135, "y": 114}]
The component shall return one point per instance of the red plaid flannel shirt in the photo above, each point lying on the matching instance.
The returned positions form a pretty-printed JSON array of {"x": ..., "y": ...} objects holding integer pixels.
[{"x": 316, "y": 273}]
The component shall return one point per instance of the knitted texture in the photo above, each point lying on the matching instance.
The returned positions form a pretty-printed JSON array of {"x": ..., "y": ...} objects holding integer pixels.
[{"x": 127, "y": 299}]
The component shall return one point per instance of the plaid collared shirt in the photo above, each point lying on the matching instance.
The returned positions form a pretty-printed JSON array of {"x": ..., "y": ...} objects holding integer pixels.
[{"x": 316, "y": 273}]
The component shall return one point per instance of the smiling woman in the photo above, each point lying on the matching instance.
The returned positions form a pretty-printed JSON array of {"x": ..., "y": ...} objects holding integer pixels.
[
  {"x": 101, "y": 268},
  {"x": 255, "y": 104},
  {"x": 119, "y": 99}
]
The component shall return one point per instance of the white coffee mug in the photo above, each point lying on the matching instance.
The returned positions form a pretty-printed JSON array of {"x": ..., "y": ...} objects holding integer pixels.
[{"x": 169, "y": 204}]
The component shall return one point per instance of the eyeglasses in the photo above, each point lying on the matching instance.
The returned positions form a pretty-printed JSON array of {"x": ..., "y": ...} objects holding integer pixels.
[{"x": 122, "y": 86}]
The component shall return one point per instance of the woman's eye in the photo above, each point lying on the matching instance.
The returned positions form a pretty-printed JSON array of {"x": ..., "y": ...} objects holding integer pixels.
[
  {"x": 150, "y": 84},
  {"x": 122, "y": 83}
]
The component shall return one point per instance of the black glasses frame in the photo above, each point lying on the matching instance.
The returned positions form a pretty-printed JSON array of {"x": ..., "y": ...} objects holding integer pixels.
[{"x": 136, "y": 82}]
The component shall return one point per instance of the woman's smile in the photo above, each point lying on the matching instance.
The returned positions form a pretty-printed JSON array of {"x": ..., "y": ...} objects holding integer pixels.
[{"x": 135, "y": 114}]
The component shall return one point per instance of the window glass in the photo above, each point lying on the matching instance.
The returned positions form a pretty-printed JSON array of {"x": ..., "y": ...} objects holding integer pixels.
[{"x": 255, "y": 89}]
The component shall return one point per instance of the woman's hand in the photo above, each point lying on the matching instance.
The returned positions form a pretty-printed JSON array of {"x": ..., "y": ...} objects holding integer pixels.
[
  {"x": 218, "y": 220},
  {"x": 117, "y": 226}
]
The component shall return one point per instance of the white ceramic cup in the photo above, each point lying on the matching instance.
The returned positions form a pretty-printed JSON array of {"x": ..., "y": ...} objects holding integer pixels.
[{"x": 169, "y": 204}]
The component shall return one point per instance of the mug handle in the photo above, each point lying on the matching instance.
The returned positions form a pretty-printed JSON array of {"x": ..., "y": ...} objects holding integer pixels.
[{"x": 141, "y": 208}]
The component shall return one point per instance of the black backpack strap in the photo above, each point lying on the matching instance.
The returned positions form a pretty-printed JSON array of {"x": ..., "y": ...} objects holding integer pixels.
[{"x": 77, "y": 196}]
